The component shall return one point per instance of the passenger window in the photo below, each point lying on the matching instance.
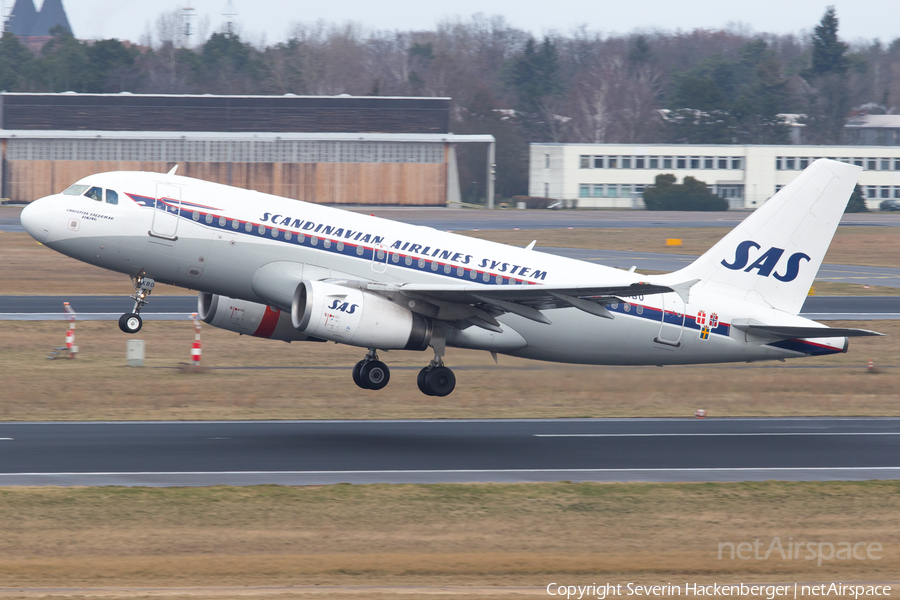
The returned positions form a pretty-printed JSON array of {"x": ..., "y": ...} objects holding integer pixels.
[
  {"x": 112, "y": 197},
  {"x": 95, "y": 193}
]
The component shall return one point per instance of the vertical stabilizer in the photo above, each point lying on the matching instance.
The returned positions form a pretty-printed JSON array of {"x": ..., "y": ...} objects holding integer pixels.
[{"x": 773, "y": 256}]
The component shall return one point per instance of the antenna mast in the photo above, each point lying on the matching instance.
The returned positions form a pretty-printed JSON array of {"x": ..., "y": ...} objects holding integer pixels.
[
  {"x": 229, "y": 13},
  {"x": 187, "y": 30}
]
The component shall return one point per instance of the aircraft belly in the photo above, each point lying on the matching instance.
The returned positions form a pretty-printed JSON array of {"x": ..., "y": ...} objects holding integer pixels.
[{"x": 575, "y": 337}]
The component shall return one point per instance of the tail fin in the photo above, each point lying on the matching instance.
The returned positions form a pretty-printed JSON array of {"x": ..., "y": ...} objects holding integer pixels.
[{"x": 773, "y": 256}]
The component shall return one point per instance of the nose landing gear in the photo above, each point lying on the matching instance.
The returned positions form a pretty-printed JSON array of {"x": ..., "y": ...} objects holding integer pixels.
[
  {"x": 370, "y": 373},
  {"x": 143, "y": 286}
]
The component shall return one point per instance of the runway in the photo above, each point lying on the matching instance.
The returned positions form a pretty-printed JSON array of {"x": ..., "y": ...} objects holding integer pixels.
[{"x": 326, "y": 452}]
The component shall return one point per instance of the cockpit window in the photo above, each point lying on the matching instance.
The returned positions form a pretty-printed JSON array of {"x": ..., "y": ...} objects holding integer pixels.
[
  {"x": 112, "y": 197},
  {"x": 76, "y": 190},
  {"x": 95, "y": 193}
]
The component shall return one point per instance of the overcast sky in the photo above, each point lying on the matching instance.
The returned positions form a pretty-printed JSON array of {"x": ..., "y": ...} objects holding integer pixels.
[{"x": 270, "y": 20}]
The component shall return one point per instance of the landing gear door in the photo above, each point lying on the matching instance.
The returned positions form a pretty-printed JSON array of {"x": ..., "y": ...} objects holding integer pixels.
[
  {"x": 167, "y": 208},
  {"x": 671, "y": 325}
]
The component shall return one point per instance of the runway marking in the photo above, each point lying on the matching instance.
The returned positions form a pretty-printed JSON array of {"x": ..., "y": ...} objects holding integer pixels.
[
  {"x": 757, "y": 434},
  {"x": 6, "y": 439}
]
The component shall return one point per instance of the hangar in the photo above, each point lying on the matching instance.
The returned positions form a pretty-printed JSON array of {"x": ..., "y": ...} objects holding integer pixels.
[{"x": 322, "y": 149}]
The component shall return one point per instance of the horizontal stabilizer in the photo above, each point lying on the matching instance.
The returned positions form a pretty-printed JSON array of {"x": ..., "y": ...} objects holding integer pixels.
[{"x": 791, "y": 332}]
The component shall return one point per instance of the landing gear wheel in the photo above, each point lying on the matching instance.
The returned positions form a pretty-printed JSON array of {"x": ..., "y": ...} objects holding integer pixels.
[
  {"x": 440, "y": 381},
  {"x": 130, "y": 323},
  {"x": 374, "y": 375},
  {"x": 356, "y": 369},
  {"x": 420, "y": 381}
]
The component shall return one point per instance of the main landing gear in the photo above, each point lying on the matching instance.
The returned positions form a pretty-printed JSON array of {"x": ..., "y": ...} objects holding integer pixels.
[
  {"x": 143, "y": 286},
  {"x": 434, "y": 380},
  {"x": 370, "y": 373}
]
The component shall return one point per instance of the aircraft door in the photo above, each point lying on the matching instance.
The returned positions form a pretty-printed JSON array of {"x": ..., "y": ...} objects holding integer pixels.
[
  {"x": 379, "y": 258},
  {"x": 671, "y": 325},
  {"x": 165, "y": 215}
]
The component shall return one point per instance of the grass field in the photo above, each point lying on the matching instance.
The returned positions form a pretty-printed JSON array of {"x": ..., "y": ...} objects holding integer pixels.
[
  {"x": 478, "y": 535},
  {"x": 314, "y": 381},
  {"x": 30, "y": 268}
]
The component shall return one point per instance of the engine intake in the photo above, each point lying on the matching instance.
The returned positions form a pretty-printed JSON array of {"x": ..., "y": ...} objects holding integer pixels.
[
  {"x": 248, "y": 318},
  {"x": 358, "y": 318}
]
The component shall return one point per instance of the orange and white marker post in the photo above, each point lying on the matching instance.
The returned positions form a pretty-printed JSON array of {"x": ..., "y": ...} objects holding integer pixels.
[
  {"x": 196, "y": 350},
  {"x": 70, "y": 334},
  {"x": 700, "y": 413}
]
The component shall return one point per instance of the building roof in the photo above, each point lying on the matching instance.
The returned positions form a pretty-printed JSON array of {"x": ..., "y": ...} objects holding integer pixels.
[
  {"x": 22, "y": 18},
  {"x": 52, "y": 14},
  {"x": 879, "y": 121},
  {"x": 182, "y": 113}
]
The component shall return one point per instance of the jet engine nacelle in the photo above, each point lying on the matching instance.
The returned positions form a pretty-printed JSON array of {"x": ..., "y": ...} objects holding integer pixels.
[
  {"x": 351, "y": 316},
  {"x": 248, "y": 318}
]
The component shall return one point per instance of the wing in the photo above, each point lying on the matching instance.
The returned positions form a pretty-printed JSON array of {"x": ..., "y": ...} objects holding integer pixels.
[{"x": 479, "y": 305}]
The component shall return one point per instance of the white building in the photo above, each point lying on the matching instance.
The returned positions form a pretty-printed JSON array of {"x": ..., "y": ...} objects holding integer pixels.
[{"x": 615, "y": 175}]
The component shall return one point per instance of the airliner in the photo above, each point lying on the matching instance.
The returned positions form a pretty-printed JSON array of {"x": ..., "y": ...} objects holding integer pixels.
[{"x": 287, "y": 270}]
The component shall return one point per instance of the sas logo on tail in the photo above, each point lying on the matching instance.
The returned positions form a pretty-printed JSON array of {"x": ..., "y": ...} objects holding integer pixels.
[
  {"x": 344, "y": 307},
  {"x": 766, "y": 262}
]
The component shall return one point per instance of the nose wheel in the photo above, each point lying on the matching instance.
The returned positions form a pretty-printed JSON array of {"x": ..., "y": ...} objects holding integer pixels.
[
  {"x": 143, "y": 287},
  {"x": 370, "y": 373}
]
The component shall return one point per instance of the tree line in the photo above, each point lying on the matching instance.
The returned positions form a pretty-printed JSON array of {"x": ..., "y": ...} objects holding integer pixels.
[{"x": 700, "y": 86}]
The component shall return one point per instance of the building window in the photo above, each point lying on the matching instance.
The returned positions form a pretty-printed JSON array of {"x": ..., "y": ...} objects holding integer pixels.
[
  {"x": 598, "y": 190},
  {"x": 667, "y": 162},
  {"x": 723, "y": 163},
  {"x": 585, "y": 162},
  {"x": 639, "y": 162},
  {"x": 708, "y": 163},
  {"x": 871, "y": 192},
  {"x": 871, "y": 164},
  {"x": 804, "y": 162},
  {"x": 625, "y": 192},
  {"x": 897, "y": 164},
  {"x": 777, "y": 163},
  {"x": 626, "y": 162},
  {"x": 612, "y": 162},
  {"x": 885, "y": 164},
  {"x": 789, "y": 163},
  {"x": 858, "y": 162},
  {"x": 639, "y": 190},
  {"x": 654, "y": 162},
  {"x": 885, "y": 191},
  {"x": 736, "y": 163},
  {"x": 778, "y": 188},
  {"x": 546, "y": 190},
  {"x": 546, "y": 161},
  {"x": 612, "y": 190},
  {"x": 897, "y": 191},
  {"x": 681, "y": 162},
  {"x": 695, "y": 162},
  {"x": 584, "y": 190},
  {"x": 598, "y": 162}
]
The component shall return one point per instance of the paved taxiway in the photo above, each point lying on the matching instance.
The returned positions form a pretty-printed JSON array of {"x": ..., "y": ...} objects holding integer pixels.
[
  {"x": 171, "y": 308},
  {"x": 322, "y": 452}
]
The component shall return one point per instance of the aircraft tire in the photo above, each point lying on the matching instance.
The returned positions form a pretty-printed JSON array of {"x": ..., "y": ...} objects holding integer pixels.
[
  {"x": 440, "y": 381},
  {"x": 374, "y": 374},
  {"x": 420, "y": 381},
  {"x": 356, "y": 369},
  {"x": 130, "y": 323}
]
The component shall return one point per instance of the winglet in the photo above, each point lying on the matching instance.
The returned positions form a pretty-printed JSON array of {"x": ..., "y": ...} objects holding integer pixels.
[
  {"x": 172, "y": 170},
  {"x": 684, "y": 289},
  {"x": 531, "y": 245}
]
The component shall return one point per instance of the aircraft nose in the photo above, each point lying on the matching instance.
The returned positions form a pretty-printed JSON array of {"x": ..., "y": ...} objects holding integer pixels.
[{"x": 37, "y": 217}]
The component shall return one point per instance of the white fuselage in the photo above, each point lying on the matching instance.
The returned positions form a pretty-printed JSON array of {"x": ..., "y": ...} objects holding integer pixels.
[{"x": 214, "y": 238}]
